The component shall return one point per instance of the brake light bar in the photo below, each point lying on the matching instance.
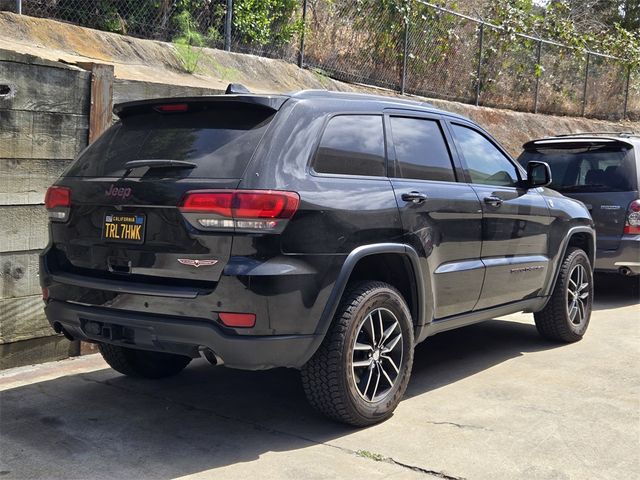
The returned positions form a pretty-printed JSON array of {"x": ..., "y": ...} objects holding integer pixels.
[
  {"x": 246, "y": 210},
  {"x": 171, "y": 108},
  {"x": 632, "y": 222},
  {"x": 58, "y": 203}
]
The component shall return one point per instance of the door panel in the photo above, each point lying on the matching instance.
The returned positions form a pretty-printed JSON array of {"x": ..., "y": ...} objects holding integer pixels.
[
  {"x": 447, "y": 228},
  {"x": 440, "y": 217},
  {"x": 514, "y": 244},
  {"x": 515, "y": 220}
]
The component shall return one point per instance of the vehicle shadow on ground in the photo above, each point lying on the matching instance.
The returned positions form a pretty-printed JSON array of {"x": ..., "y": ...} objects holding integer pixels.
[
  {"x": 103, "y": 425},
  {"x": 614, "y": 291}
]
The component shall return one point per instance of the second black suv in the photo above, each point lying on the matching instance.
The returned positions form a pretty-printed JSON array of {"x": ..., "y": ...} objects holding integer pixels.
[{"x": 328, "y": 232}]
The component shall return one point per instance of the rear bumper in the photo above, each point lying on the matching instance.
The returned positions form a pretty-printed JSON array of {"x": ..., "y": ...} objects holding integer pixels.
[
  {"x": 179, "y": 335},
  {"x": 627, "y": 255}
]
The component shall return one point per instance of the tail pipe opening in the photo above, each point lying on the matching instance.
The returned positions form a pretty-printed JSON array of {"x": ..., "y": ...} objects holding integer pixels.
[
  {"x": 58, "y": 328},
  {"x": 626, "y": 271}
]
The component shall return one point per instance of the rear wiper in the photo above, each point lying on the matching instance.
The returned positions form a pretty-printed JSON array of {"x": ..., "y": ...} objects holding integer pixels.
[{"x": 157, "y": 163}]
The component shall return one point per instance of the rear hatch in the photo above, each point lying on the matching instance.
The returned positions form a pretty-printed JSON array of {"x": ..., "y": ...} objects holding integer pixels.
[
  {"x": 124, "y": 222},
  {"x": 600, "y": 172}
]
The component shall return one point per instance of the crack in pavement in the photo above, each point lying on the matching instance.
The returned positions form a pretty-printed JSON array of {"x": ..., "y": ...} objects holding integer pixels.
[
  {"x": 461, "y": 425},
  {"x": 433, "y": 473},
  {"x": 270, "y": 430}
]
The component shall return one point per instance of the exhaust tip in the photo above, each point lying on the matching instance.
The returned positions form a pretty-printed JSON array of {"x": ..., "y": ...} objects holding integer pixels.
[
  {"x": 626, "y": 271},
  {"x": 58, "y": 328},
  {"x": 211, "y": 357}
]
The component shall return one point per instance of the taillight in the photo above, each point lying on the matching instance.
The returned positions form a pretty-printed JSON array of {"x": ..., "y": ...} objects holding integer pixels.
[
  {"x": 632, "y": 223},
  {"x": 58, "y": 202},
  {"x": 245, "y": 210}
]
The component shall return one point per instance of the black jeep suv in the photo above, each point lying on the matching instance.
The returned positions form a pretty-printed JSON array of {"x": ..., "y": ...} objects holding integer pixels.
[{"x": 328, "y": 232}]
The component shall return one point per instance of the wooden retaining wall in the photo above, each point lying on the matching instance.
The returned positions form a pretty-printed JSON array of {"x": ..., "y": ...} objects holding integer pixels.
[
  {"x": 44, "y": 121},
  {"x": 49, "y": 111}
]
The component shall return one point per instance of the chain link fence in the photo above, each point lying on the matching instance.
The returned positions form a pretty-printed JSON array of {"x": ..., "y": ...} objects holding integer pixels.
[{"x": 409, "y": 46}]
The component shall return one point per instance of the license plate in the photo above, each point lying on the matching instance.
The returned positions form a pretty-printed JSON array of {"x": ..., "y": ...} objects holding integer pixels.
[{"x": 122, "y": 227}]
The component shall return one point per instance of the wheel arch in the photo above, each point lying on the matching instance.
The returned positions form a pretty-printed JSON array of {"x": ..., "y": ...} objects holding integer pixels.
[
  {"x": 583, "y": 237},
  {"x": 394, "y": 263}
]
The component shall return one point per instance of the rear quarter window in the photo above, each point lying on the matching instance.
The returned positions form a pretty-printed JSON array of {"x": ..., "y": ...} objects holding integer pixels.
[
  {"x": 220, "y": 140},
  {"x": 596, "y": 168},
  {"x": 352, "y": 145}
]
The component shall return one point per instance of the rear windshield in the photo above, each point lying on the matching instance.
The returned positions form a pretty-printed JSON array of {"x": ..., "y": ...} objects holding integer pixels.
[
  {"x": 220, "y": 141},
  {"x": 599, "y": 168}
]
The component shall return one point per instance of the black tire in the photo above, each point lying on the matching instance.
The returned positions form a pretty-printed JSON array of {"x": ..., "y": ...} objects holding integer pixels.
[
  {"x": 558, "y": 321},
  {"x": 334, "y": 385},
  {"x": 142, "y": 363}
]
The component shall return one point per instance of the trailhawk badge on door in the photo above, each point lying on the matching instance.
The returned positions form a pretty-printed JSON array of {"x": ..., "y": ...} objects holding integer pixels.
[{"x": 197, "y": 263}]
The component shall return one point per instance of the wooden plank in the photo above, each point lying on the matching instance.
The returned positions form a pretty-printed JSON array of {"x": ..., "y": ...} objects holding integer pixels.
[
  {"x": 44, "y": 89},
  {"x": 19, "y": 274},
  {"x": 129, "y": 90},
  {"x": 24, "y": 227},
  {"x": 41, "y": 135},
  {"x": 100, "y": 115},
  {"x": 25, "y": 181},
  {"x": 36, "y": 350},
  {"x": 19, "y": 57},
  {"x": 23, "y": 318}
]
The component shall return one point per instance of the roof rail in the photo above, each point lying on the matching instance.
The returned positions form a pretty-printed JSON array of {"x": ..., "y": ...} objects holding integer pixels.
[{"x": 587, "y": 134}]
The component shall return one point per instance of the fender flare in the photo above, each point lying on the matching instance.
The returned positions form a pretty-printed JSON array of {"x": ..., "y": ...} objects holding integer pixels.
[
  {"x": 564, "y": 245},
  {"x": 345, "y": 272}
]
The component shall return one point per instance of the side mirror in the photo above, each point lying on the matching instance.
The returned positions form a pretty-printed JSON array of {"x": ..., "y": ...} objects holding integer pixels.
[{"x": 538, "y": 174}]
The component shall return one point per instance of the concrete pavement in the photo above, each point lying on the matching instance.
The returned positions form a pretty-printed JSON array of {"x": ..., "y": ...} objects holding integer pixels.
[{"x": 489, "y": 401}]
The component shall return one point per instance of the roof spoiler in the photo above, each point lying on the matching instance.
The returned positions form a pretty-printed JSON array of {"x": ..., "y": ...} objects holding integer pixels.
[
  {"x": 235, "y": 93},
  {"x": 580, "y": 141}
]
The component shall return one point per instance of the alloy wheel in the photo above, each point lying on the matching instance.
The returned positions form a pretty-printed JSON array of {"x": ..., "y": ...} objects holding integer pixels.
[
  {"x": 377, "y": 354},
  {"x": 577, "y": 294}
]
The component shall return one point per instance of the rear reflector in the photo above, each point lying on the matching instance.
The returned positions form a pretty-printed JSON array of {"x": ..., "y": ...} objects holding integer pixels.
[
  {"x": 632, "y": 223},
  {"x": 45, "y": 294},
  {"x": 57, "y": 197},
  {"x": 171, "y": 108},
  {"x": 238, "y": 319}
]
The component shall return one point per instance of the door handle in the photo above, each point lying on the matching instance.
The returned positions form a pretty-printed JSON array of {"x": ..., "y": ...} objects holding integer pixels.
[
  {"x": 493, "y": 200},
  {"x": 414, "y": 197}
]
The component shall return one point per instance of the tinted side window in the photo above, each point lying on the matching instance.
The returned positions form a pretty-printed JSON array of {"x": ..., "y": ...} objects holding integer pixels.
[
  {"x": 352, "y": 145},
  {"x": 421, "y": 149},
  {"x": 485, "y": 163}
]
